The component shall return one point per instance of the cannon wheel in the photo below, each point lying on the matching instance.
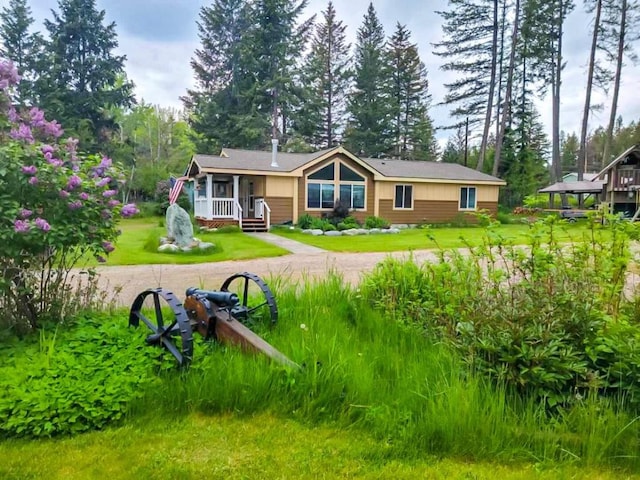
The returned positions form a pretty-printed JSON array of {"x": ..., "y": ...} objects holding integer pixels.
[
  {"x": 251, "y": 309},
  {"x": 171, "y": 330}
]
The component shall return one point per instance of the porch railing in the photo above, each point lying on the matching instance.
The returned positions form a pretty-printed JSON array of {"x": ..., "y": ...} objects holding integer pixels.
[
  {"x": 218, "y": 208},
  {"x": 626, "y": 179},
  {"x": 263, "y": 211}
]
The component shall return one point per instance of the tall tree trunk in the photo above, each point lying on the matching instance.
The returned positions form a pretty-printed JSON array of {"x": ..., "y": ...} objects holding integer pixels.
[
  {"x": 492, "y": 84},
  {"x": 616, "y": 85},
  {"x": 506, "y": 112},
  {"x": 582, "y": 153},
  {"x": 555, "y": 100},
  {"x": 500, "y": 67}
]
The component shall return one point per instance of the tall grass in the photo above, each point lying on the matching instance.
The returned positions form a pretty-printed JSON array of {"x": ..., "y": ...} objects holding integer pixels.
[{"x": 361, "y": 370}]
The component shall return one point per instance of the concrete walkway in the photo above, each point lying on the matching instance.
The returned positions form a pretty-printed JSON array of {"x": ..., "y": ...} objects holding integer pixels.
[{"x": 286, "y": 243}]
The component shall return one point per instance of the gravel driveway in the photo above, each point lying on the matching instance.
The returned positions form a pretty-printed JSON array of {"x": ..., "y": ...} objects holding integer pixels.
[{"x": 136, "y": 278}]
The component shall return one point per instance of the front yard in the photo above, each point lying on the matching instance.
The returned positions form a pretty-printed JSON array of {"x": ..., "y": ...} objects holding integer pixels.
[{"x": 427, "y": 238}]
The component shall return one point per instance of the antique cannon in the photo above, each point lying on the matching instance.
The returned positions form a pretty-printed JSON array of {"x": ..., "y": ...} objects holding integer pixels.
[{"x": 227, "y": 316}]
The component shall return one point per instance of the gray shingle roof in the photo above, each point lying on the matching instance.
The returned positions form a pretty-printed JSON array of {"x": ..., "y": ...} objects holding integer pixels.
[
  {"x": 261, "y": 160},
  {"x": 435, "y": 170},
  {"x": 257, "y": 160}
]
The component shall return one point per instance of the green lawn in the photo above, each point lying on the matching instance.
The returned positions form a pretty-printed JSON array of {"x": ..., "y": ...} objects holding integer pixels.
[
  {"x": 425, "y": 238},
  {"x": 130, "y": 246},
  {"x": 250, "y": 447}
]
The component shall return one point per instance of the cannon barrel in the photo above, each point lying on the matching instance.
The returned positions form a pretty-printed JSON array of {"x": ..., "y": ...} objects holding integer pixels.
[{"x": 223, "y": 299}]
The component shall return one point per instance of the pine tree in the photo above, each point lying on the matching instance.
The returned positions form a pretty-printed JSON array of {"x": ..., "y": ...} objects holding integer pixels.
[
  {"x": 20, "y": 45},
  {"x": 327, "y": 75},
  {"x": 219, "y": 113},
  {"x": 369, "y": 127},
  {"x": 409, "y": 98},
  {"x": 85, "y": 77}
]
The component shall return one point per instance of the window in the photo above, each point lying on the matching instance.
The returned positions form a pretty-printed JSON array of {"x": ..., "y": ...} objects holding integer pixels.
[
  {"x": 404, "y": 196},
  {"x": 468, "y": 198},
  {"x": 324, "y": 186},
  {"x": 352, "y": 195},
  {"x": 320, "y": 195}
]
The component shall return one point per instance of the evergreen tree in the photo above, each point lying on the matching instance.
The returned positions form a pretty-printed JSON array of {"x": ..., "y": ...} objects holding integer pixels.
[
  {"x": 20, "y": 45},
  {"x": 219, "y": 113},
  {"x": 85, "y": 77},
  {"x": 409, "y": 98},
  {"x": 327, "y": 76},
  {"x": 569, "y": 152},
  {"x": 369, "y": 126}
]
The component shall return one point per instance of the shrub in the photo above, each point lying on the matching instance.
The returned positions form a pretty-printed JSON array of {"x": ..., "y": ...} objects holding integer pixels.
[
  {"x": 305, "y": 221},
  {"x": 161, "y": 198},
  {"x": 375, "y": 222},
  {"x": 537, "y": 324},
  {"x": 339, "y": 213},
  {"x": 57, "y": 207}
]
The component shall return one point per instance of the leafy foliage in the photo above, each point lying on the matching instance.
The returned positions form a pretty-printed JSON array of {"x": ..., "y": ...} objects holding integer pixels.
[
  {"x": 75, "y": 380},
  {"x": 549, "y": 321},
  {"x": 375, "y": 222}
]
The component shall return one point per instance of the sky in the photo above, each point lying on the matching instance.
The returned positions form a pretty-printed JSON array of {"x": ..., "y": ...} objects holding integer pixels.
[{"x": 159, "y": 37}]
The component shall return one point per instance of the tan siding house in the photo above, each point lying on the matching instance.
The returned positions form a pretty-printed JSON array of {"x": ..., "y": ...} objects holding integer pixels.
[{"x": 249, "y": 187}]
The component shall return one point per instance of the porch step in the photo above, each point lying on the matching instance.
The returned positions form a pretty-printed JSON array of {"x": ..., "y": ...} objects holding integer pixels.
[{"x": 253, "y": 225}]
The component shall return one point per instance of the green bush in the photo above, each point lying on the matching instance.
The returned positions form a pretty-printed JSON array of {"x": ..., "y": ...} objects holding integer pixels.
[
  {"x": 375, "y": 222},
  {"x": 548, "y": 322},
  {"x": 305, "y": 221},
  {"x": 75, "y": 380}
]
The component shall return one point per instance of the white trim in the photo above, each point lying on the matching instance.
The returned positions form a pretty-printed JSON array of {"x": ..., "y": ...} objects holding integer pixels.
[
  {"x": 475, "y": 198},
  {"x": 404, "y": 186}
]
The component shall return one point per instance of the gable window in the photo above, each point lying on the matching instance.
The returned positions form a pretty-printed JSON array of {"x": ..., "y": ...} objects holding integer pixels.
[
  {"x": 467, "y": 198},
  {"x": 336, "y": 181},
  {"x": 403, "y": 197}
]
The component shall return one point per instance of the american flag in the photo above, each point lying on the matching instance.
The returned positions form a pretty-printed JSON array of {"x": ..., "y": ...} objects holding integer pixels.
[{"x": 175, "y": 187}]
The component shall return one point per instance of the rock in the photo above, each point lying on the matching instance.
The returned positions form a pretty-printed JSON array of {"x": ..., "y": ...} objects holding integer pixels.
[
  {"x": 333, "y": 233},
  {"x": 307, "y": 231},
  {"x": 179, "y": 225},
  {"x": 394, "y": 230},
  {"x": 168, "y": 248},
  {"x": 362, "y": 231},
  {"x": 374, "y": 230},
  {"x": 205, "y": 245},
  {"x": 164, "y": 240},
  {"x": 316, "y": 232},
  {"x": 350, "y": 232},
  {"x": 186, "y": 249}
]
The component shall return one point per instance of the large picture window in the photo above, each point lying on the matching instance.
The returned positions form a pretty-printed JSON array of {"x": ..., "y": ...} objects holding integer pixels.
[
  {"x": 320, "y": 195},
  {"x": 468, "y": 198},
  {"x": 404, "y": 196},
  {"x": 333, "y": 181}
]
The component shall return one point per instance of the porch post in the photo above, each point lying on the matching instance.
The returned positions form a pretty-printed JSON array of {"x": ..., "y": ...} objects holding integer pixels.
[
  {"x": 209, "y": 196},
  {"x": 236, "y": 194}
]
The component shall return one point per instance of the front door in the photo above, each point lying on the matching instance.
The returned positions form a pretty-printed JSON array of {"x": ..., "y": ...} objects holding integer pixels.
[{"x": 247, "y": 197}]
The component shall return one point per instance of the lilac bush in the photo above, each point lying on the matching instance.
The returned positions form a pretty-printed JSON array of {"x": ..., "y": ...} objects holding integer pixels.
[{"x": 58, "y": 206}]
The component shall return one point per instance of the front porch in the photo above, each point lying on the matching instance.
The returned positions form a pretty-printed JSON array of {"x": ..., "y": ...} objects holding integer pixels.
[{"x": 221, "y": 200}]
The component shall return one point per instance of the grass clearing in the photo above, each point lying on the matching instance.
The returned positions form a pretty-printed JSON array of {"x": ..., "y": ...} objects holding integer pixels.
[
  {"x": 138, "y": 232},
  {"x": 427, "y": 238},
  {"x": 254, "y": 446}
]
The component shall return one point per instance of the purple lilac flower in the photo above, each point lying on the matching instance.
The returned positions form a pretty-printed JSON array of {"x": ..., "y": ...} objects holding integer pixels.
[
  {"x": 109, "y": 193},
  {"x": 108, "y": 247},
  {"x": 73, "y": 182},
  {"x": 64, "y": 194},
  {"x": 106, "y": 214},
  {"x": 103, "y": 182},
  {"x": 4, "y": 84},
  {"x": 29, "y": 170},
  {"x": 42, "y": 224},
  {"x": 113, "y": 203},
  {"x": 21, "y": 226},
  {"x": 23, "y": 132},
  {"x": 33, "y": 180},
  {"x": 53, "y": 129},
  {"x": 25, "y": 213},
  {"x": 47, "y": 150},
  {"x": 9, "y": 72},
  {"x": 84, "y": 196},
  {"x": 37, "y": 118},
  {"x": 13, "y": 115},
  {"x": 55, "y": 162},
  {"x": 75, "y": 205},
  {"x": 101, "y": 259},
  {"x": 129, "y": 210},
  {"x": 106, "y": 162}
]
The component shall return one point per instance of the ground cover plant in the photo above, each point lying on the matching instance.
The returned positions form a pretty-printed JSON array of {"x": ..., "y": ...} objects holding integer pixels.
[{"x": 139, "y": 240}]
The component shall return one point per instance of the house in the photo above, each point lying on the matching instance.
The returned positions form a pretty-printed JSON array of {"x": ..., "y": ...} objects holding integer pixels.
[
  {"x": 616, "y": 185},
  {"x": 255, "y": 189},
  {"x": 573, "y": 177},
  {"x": 621, "y": 182}
]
